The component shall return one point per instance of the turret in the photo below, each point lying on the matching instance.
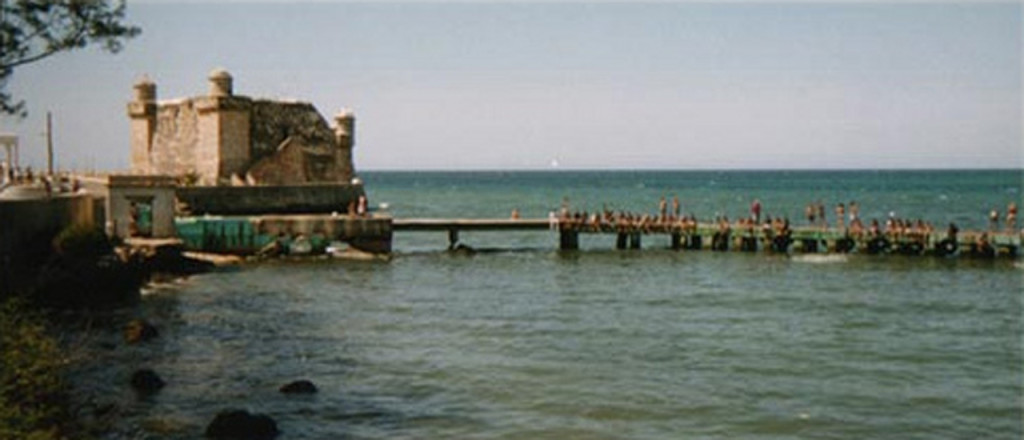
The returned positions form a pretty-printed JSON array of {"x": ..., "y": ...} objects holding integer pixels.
[
  {"x": 142, "y": 112},
  {"x": 223, "y": 131},
  {"x": 344, "y": 136},
  {"x": 220, "y": 83}
]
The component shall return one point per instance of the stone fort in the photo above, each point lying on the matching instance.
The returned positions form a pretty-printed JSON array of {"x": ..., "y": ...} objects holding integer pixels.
[{"x": 223, "y": 139}]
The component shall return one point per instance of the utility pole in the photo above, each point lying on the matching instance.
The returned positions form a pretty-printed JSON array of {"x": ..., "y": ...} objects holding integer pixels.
[{"x": 49, "y": 144}]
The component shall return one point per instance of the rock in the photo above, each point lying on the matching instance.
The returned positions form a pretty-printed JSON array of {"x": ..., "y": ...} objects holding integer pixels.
[
  {"x": 299, "y": 387},
  {"x": 138, "y": 330},
  {"x": 239, "y": 424},
  {"x": 147, "y": 381},
  {"x": 77, "y": 283}
]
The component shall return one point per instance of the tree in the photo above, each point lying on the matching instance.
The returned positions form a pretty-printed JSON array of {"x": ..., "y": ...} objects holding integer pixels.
[{"x": 32, "y": 30}]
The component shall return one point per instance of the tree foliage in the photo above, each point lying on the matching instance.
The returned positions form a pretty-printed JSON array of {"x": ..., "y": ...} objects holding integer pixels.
[
  {"x": 32, "y": 30},
  {"x": 33, "y": 392}
]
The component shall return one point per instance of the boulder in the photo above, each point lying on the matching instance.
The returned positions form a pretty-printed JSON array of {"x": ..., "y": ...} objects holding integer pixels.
[
  {"x": 299, "y": 387},
  {"x": 239, "y": 424},
  {"x": 146, "y": 381},
  {"x": 138, "y": 330}
]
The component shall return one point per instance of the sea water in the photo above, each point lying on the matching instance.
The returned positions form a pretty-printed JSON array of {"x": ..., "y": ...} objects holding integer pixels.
[{"x": 522, "y": 341}]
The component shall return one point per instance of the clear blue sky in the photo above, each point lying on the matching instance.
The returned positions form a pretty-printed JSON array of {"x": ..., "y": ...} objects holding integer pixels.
[{"x": 481, "y": 85}]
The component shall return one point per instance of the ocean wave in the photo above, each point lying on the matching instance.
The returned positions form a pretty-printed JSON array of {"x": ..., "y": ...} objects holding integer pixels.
[{"x": 820, "y": 259}]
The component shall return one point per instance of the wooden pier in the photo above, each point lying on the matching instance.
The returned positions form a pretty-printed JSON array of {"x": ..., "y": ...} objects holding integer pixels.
[{"x": 706, "y": 236}]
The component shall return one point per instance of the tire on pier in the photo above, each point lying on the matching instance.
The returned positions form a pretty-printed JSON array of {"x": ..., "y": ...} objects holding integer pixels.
[
  {"x": 720, "y": 242},
  {"x": 695, "y": 242},
  {"x": 983, "y": 251},
  {"x": 809, "y": 245},
  {"x": 879, "y": 245},
  {"x": 845, "y": 245},
  {"x": 947, "y": 247},
  {"x": 781, "y": 244},
  {"x": 911, "y": 248}
]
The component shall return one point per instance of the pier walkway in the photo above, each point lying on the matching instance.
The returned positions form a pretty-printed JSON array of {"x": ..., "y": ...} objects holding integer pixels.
[
  {"x": 453, "y": 226},
  {"x": 707, "y": 236}
]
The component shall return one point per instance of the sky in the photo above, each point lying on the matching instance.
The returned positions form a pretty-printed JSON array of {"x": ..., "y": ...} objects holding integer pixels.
[{"x": 479, "y": 85}]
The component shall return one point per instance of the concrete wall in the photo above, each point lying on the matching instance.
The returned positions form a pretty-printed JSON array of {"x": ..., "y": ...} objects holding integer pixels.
[
  {"x": 245, "y": 235},
  {"x": 367, "y": 234},
  {"x": 27, "y": 228},
  {"x": 158, "y": 191},
  {"x": 248, "y": 200}
]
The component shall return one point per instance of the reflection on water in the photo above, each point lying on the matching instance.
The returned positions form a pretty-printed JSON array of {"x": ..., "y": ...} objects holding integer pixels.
[{"x": 603, "y": 344}]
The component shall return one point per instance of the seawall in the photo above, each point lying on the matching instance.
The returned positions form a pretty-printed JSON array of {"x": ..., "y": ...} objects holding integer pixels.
[
  {"x": 260, "y": 199},
  {"x": 27, "y": 229},
  {"x": 247, "y": 235}
]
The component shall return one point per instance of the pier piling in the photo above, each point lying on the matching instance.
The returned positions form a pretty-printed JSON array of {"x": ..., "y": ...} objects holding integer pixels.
[
  {"x": 634, "y": 240},
  {"x": 569, "y": 239}
]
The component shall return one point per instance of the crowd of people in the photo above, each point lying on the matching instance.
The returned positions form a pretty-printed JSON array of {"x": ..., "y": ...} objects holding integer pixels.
[
  {"x": 51, "y": 182},
  {"x": 848, "y": 221}
]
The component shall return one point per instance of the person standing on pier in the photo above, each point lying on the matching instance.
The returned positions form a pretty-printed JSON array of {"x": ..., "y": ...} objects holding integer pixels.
[
  {"x": 676, "y": 208},
  {"x": 993, "y": 219},
  {"x": 841, "y": 216},
  {"x": 361, "y": 206},
  {"x": 755, "y": 211},
  {"x": 1011, "y": 217},
  {"x": 821, "y": 214},
  {"x": 662, "y": 209}
]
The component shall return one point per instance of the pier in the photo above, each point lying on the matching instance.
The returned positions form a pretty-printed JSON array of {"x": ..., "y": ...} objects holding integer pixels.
[
  {"x": 453, "y": 226},
  {"x": 705, "y": 236}
]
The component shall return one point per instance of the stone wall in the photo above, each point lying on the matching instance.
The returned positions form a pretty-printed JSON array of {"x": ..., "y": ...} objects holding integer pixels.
[
  {"x": 275, "y": 121},
  {"x": 279, "y": 168},
  {"x": 262, "y": 199},
  {"x": 177, "y": 132}
]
